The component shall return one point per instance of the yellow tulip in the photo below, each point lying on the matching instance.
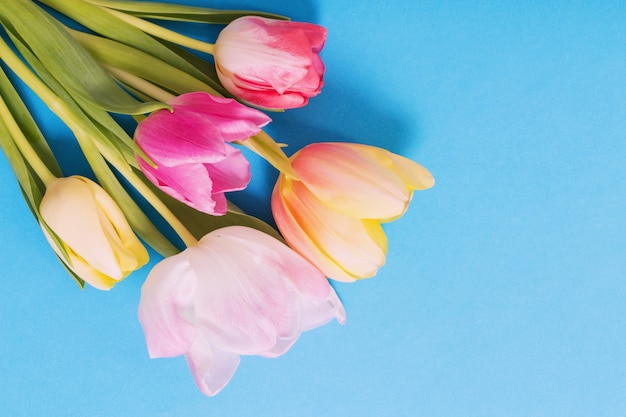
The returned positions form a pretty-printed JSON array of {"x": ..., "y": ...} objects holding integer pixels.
[
  {"x": 100, "y": 245},
  {"x": 331, "y": 209}
]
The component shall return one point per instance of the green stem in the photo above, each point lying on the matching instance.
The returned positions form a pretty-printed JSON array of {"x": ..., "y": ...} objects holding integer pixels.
[
  {"x": 163, "y": 33},
  {"x": 263, "y": 145},
  {"x": 186, "y": 236},
  {"x": 139, "y": 83},
  {"x": 24, "y": 145}
]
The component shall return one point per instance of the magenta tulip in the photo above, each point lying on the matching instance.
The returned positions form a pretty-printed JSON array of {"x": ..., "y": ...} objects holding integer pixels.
[
  {"x": 331, "y": 208},
  {"x": 270, "y": 63},
  {"x": 237, "y": 292},
  {"x": 189, "y": 145}
]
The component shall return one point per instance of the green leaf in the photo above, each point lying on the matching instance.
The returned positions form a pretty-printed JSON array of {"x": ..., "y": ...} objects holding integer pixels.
[
  {"x": 32, "y": 190},
  {"x": 62, "y": 56},
  {"x": 143, "y": 65},
  {"x": 84, "y": 114},
  {"x": 166, "y": 11},
  {"x": 27, "y": 124},
  {"x": 102, "y": 22}
]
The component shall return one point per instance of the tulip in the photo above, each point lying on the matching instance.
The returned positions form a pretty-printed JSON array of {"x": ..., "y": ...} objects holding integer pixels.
[
  {"x": 331, "y": 207},
  {"x": 270, "y": 63},
  {"x": 98, "y": 244},
  {"x": 237, "y": 292},
  {"x": 194, "y": 162}
]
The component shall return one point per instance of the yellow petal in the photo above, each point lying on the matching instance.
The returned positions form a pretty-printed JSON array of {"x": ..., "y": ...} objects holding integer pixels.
[
  {"x": 415, "y": 176},
  {"x": 345, "y": 240}
]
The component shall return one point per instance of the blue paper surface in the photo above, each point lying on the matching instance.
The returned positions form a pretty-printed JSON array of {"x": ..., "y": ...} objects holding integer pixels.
[{"x": 504, "y": 289}]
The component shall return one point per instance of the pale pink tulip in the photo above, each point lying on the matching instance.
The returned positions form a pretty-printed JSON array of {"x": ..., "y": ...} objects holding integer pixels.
[
  {"x": 331, "y": 209},
  {"x": 237, "y": 292},
  {"x": 189, "y": 145},
  {"x": 271, "y": 63},
  {"x": 98, "y": 244}
]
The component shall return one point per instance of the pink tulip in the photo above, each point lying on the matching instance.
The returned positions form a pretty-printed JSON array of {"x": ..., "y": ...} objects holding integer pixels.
[
  {"x": 237, "y": 292},
  {"x": 331, "y": 213},
  {"x": 271, "y": 63},
  {"x": 195, "y": 164}
]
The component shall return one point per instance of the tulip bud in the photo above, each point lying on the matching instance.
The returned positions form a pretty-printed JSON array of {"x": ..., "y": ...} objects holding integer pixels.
[
  {"x": 100, "y": 245},
  {"x": 271, "y": 63}
]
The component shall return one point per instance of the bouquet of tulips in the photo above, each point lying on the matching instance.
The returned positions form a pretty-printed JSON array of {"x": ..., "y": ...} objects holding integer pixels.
[{"x": 229, "y": 284}]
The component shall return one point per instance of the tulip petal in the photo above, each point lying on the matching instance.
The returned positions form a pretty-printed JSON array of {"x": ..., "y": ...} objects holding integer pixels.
[
  {"x": 82, "y": 230},
  {"x": 319, "y": 302},
  {"x": 284, "y": 54},
  {"x": 211, "y": 367},
  {"x": 357, "y": 181},
  {"x": 316, "y": 312},
  {"x": 173, "y": 138},
  {"x": 297, "y": 238},
  {"x": 198, "y": 126},
  {"x": 415, "y": 176},
  {"x": 189, "y": 183},
  {"x": 262, "y": 97},
  {"x": 322, "y": 235},
  {"x": 81, "y": 268},
  {"x": 235, "y": 121},
  {"x": 231, "y": 174},
  {"x": 165, "y": 307},
  {"x": 258, "y": 304}
]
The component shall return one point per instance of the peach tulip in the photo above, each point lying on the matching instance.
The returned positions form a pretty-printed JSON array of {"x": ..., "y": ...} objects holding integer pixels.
[{"x": 331, "y": 208}]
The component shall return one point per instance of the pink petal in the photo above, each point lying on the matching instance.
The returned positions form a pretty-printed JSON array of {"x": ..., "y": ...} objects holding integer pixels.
[
  {"x": 231, "y": 174},
  {"x": 166, "y": 297},
  {"x": 316, "y": 312},
  {"x": 271, "y": 253},
  {"x": 189, "y": 183},
  {"x": 235, "y": 121},
  {"x": 263, "y": 97},
  {"x": 196, "y": 129},
  {"x": 211, "y": 367},
  {"x": 180, "y": 137},
  {"x": 245, "y": 307}
]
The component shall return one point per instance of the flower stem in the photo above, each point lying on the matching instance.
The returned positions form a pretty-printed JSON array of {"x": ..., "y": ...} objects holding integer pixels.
[
  {"x": 139, "y": 83},
  {"x": 263, "y": 145},
  {"x": 163, "y": 33}
]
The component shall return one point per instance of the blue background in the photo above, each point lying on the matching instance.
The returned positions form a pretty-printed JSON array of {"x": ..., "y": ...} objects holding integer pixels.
[{"x": 504, "y": 292}]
